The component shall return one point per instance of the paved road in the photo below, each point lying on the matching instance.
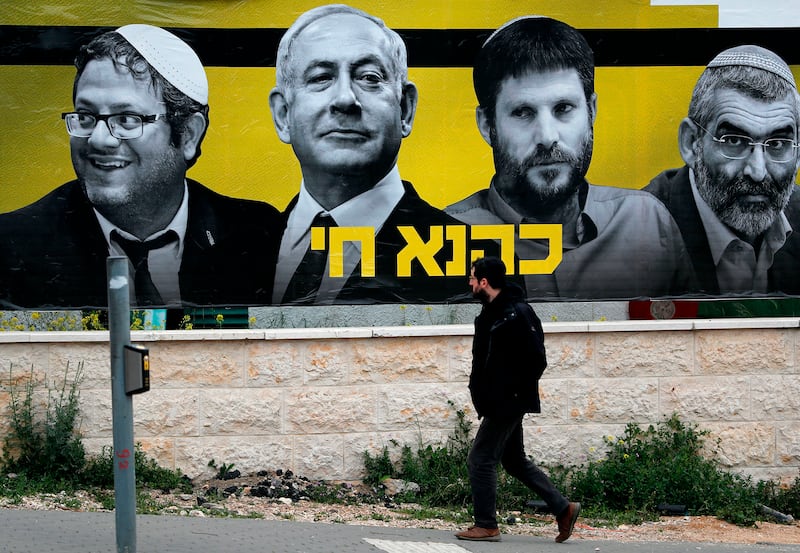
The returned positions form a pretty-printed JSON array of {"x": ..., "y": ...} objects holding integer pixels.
[{"x": 70, "y": 532}]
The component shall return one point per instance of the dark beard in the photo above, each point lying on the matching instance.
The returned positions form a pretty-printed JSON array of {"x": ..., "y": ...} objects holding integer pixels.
[
  {"x": 481, "y": 296},
  {"x": 527, "y": 197},
  {"x": 722, "y": 195}
]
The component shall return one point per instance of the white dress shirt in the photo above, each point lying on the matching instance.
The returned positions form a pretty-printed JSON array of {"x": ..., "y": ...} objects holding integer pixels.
[
  {"x": 368, "y": 209},
  {"x": 165, "y": 262},
  {"x": 739, "y": 269}
]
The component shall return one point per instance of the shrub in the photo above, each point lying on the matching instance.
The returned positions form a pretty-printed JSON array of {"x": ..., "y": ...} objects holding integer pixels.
[
  {"x": 45, "y": 445},
  {"x": 440, "y": 471},
  {"x": 662, "y": 464},
  {"x": 99, "y": 472},
  {"x": 645, "y": 467},
  {"x": 44, "y": 449}
]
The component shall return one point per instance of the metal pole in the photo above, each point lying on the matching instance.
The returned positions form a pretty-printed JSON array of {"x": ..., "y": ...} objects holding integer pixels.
[{"x": 119, "y": 325}]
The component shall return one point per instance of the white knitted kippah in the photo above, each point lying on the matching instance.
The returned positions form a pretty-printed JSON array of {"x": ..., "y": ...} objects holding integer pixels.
[
  {"x": 754, "y": 56},
  {"x": 171, "y": 57}
]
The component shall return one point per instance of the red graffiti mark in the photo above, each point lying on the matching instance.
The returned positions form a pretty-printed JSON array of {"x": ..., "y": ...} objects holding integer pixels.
[
  {"x": 123, "y": 465},
  {"x": 124, "y": 454}
]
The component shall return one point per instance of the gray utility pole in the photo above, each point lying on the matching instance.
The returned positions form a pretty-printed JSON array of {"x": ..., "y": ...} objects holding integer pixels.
[{"x": 119, "y": 324}]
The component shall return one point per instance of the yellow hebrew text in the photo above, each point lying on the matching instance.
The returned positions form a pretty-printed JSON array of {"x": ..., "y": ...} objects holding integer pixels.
[{"x": 416, "y": 248}]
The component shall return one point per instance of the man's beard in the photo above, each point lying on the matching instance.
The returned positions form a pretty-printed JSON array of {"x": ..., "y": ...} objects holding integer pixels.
[
  {"x": 722, "y": 194},
  {"x": 481, "y": 296},
  {"x": 529, "y": 196}
]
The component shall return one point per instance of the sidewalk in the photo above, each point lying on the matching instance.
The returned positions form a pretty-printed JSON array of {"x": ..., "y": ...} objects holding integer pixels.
[{"x": 72, "y": 532}]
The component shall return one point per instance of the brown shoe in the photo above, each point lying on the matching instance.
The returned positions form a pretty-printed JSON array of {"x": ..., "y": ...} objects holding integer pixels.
[
  {"x": 566, "y": 521},
  {"x": 476, "y": 533}
]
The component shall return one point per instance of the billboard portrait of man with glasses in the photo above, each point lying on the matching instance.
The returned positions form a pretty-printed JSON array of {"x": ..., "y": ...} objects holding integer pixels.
[
  {"x": 735, "y": 200},
  {"x": 140, "y": 115}
]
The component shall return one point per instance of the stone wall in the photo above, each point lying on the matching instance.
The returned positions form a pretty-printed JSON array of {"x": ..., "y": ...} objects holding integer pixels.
[{"x": 313, "y": 400}]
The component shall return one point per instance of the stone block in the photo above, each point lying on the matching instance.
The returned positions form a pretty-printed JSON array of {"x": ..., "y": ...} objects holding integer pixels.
[
  {"x": 613, "y": 400},
  {"x": 161, "y": 450},
  {"x": 745, "y": 351},
  {"x": 319, "y": 456},
  {"x": 94, "y": 357},
  {"x": 248, "y": 411},
  {"x": 329, "y": 362},
  {"x": 400, "y": 360},
  {"x": 275, "y": 363},
  {"x": 784, "y": 476},
  {"x": 17, "y": 359},
  {"x": 421, "y": 406},
  {"x": 196, "y": 364},
  {"x": 569, "y": 355},
  {"x": 5, "y": 414},
  {"x": 373, "y": 442},
  {"x": 787, "y": 442},
  {"x": 567, "y": 445},
  {"x": 166, "y": 412},
  {"x": 706, "y": 398},
  {"x": 100, "y": 446},
  {"x": 746, "y": 444},
  {"x": 554, "y": 399},
  {"x": 644, "y": 354},
  {"x": 775, "y": 397},
  {"x": 460, "y": 358},
  {"x": 330, "y": 409},
  {"x": 96, "y": 413}
]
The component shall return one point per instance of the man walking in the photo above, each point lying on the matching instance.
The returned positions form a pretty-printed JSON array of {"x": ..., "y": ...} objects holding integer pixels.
[{"x": 508, "y": 358}]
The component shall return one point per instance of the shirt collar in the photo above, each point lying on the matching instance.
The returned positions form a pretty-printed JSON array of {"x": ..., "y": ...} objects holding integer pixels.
[
  {"x": 369, "y": 209},
  {"x": 591, "y": 220},
  {"x": 178, "y": 223},
  {"x": 720, "y": 235}
]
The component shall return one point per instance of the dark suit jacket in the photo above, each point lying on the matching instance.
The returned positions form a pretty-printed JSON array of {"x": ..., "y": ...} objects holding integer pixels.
[
  {"x": 386, "y": 286},
  {"x": 674, "y": 189},
  {"x": 53, "y": 253}
]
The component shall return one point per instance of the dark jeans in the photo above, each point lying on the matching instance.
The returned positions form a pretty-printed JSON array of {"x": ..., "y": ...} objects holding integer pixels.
[{"x": 499, "y": 440}]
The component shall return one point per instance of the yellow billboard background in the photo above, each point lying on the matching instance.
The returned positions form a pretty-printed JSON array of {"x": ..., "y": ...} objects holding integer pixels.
[{"x": 639, "y": 108}]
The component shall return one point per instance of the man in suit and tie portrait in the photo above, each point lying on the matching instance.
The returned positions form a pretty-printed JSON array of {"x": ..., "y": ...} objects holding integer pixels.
[
  {"x": 140, "y": 115},
  {"x": 344, "y": 102}
]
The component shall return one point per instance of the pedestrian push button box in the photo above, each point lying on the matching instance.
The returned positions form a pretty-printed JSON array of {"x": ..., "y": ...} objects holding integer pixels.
[{"x": 137, "y": 369}]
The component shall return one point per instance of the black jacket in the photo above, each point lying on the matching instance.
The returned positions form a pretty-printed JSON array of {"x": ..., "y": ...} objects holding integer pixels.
[
  {"x": 53, "y": 253},
  {"x": 508, "y": 357}
]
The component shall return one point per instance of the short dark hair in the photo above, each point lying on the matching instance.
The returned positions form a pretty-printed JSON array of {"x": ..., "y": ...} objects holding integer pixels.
[
  {"x": 530, "y": 44},
  {"x": 492, "y": 269},
  {"x": 112, "y": 45}
]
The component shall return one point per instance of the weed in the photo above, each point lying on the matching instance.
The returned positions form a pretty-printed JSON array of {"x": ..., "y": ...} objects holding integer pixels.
[
  {"x": 99, "y": 472},
  {"x": 785, "y": 499},
  {"x": 45, "y": 445},
  {"x": 222, "y": 470},
  {"x": 440, "y": 471},
  {"x": 661, "y": 464}
]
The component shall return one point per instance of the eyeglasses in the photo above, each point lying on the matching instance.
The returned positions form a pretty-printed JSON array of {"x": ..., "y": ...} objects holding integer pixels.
[
  {"x": 737, "y": 146},
  {"x": 121, "y": 125}
]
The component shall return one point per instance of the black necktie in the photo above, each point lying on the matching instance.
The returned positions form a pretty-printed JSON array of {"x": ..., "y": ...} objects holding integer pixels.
[
  {"x": 146, "y": 292},
  {"x": 307, "y": 278}
]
